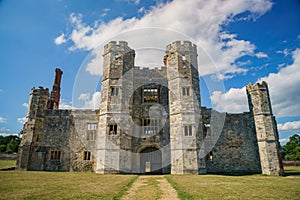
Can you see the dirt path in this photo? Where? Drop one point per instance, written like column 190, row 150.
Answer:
column 151, row 187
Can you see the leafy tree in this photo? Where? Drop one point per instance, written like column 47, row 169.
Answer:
column 9, row 144
column 12, row 146
column 291, row 151
column 2, row 148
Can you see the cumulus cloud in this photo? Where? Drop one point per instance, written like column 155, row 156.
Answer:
column 234, row 101
column 90, row 101
column 295, row 125
column 283, row 87
column 60, row 39
column 22, row 120
column 284, row 90
column 204, row 24
column 2, row 120
column 63, row 104
column 261, row 55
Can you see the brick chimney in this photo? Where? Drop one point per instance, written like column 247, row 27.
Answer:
column 55, row 93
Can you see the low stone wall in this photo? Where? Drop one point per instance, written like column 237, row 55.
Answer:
column 291, row 163
column 6, row 156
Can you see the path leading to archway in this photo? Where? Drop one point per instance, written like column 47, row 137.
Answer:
column 151, row 187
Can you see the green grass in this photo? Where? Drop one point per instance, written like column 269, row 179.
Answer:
column 62, row 185
column 235, row 187
column 292, row 170
column 7, row 163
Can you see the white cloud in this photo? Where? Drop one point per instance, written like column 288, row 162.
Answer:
column 2, row 120
column 234, row 101
column 295, row 125
column 4, row 129
column 25, row 105
column 285, row 52
column 136, row 2
column 60, row 39
column 261, row 55
column 203, row 23
column 281, row 65
column 142, row 10
column 84, row 96
column 283, row 87
column 284, row 140
column 64, row 105
column 298, row 37
column 105, row 12
column 90, row 101
column 284, row 90
column 22, row 120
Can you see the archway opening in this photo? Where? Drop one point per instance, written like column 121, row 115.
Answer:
column 151, row 161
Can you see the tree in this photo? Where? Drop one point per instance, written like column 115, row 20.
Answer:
column 9, row 144
column 291, row 151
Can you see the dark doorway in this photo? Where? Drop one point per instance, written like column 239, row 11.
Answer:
column 150, row 161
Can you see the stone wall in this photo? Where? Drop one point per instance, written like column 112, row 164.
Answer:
column 64, row 131
column 236, row 150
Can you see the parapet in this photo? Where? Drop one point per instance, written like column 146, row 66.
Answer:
column 182, row 46
column 40, row 91
column 257, row 86
column 120, row 46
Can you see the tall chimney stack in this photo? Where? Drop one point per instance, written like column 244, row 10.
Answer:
column 55, row 93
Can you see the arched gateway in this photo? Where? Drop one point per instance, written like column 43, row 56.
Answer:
column 150, row 161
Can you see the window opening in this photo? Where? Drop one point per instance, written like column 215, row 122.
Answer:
column 188, row 130
column 151, row 126
column 186, row 91
column 150, row 94
column 114, row 91
column 113, row 129
column 87, row 155
column 55, row 155
column 92, row 126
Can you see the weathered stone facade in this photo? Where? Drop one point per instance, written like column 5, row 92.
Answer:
column 150, row 121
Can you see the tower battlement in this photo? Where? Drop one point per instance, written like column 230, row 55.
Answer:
column 114, row 46
column 257, row 86
column 182, row 46
column 39, row 91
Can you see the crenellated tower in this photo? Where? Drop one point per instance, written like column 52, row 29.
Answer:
column 33, row 127
column 266, row 129
column 118, row 60
column 184, row 105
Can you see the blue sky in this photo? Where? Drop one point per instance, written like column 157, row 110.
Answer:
column 244, row 41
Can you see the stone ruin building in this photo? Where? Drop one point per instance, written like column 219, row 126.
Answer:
column 150, row 121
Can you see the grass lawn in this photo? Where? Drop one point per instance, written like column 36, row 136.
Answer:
column 62, row 185
column 236, row 187
column 292, row 170
column 7, row 163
